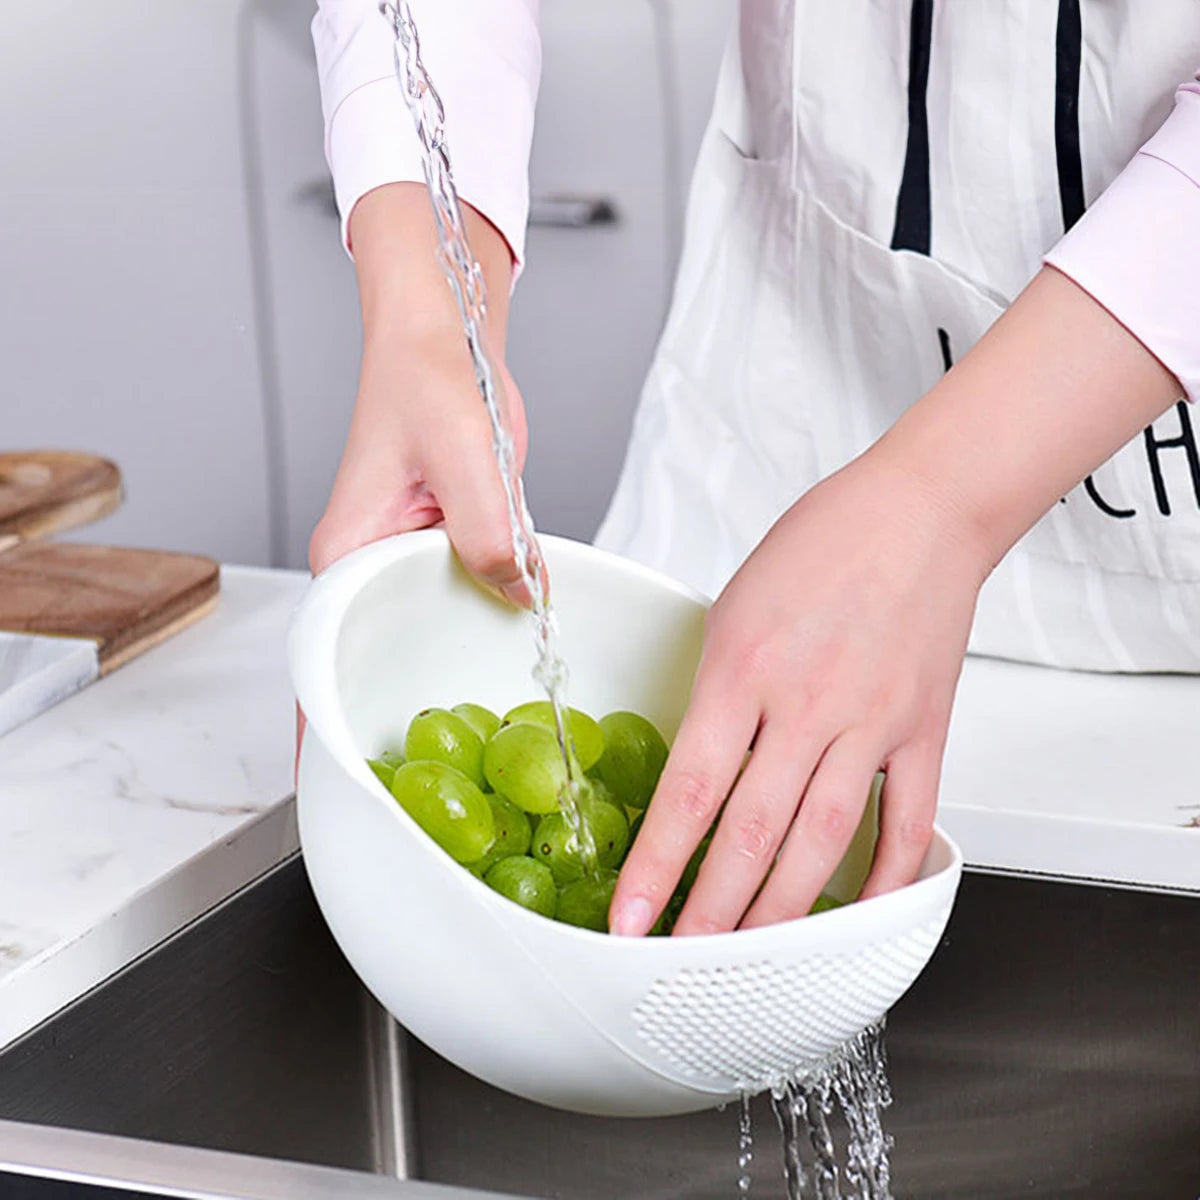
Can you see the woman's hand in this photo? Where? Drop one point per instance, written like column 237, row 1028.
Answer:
column 834, row 652
column 836, row 649
column 419, row 451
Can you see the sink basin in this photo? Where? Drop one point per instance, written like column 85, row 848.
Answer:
column 1051, row 1049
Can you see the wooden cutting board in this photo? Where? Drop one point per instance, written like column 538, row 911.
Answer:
column 70, row 613
column 124, row 600
column 48, row 491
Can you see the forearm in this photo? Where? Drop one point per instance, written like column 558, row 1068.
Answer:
column 407, row 304
column 1053, row 389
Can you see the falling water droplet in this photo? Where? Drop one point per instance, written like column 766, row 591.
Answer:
column 745, row 1145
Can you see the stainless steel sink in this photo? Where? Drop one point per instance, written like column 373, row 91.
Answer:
column 1052, row 1049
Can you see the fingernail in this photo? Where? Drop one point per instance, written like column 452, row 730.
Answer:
column 633, row 918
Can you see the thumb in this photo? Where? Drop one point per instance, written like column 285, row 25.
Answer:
column 466, row 479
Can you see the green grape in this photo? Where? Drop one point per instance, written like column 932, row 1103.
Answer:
column 584, row 732
column 824, row 903
column 610, row 831
column 437, row 735
column 554, row 841
column 448, row 806
column 385, row 766
column 596, row 789
column 633, row 758
column 526, row 883
column 585, row 902
column 635, row 822
column 512, row 835
column 524, row 763
column 482, row 720
column 554, row 846
column 611, row 836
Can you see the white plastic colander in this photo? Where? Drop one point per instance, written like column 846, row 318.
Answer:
column 564, row 1016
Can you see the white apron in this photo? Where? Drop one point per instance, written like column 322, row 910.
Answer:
column 879, row 179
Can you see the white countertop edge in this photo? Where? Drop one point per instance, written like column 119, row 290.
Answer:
column 48, row 982
column 1076, row 849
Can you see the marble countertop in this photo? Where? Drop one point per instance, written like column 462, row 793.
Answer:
column 143, row 800
column 137, row 804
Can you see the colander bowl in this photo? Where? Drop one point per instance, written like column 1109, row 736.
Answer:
column 564, row 1016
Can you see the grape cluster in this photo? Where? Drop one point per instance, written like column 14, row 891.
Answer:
column 487, row 789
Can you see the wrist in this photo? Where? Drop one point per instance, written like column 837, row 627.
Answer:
column 408, row 339
column 404, row 293
column 907, row 466
column 1049, row 393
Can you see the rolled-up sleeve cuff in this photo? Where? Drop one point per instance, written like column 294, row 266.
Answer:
column 487, row 80
column 1137, row 248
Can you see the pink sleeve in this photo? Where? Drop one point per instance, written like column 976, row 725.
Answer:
column 1137, row 248
column 484, row 57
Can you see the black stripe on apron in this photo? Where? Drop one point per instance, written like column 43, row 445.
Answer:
column 911, row 231
column 1068, row 52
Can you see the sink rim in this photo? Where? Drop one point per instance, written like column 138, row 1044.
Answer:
column 195, row 1173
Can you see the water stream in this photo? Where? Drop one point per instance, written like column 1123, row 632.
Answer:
column 854, row 1083
column 745, row 1145
column 465, row 278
